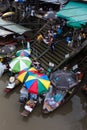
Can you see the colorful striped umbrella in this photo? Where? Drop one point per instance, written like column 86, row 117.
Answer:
column 34, row 81
column 20, row 63
column 24, row 52
column 24, row 74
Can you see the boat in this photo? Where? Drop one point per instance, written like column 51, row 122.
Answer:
column 64, row 84
column 13, row 83
column 29, row 107
column 31, row 102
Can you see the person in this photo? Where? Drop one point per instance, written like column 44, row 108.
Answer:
column 79, row 75
column 33, row 96
column 51, row 43
column 28, row 108
column 84, row 81
column 79, row 40
column 45, row 40
column 1, row 58
column 40, row 38
column 13, row 82
column 68, row 39
column 28, row 45
column 32, row 12
column 24, row 96
column 59, row 30
column 3, row 67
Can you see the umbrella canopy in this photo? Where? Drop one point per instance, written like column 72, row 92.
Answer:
column 50, row 15
column 34, row 81
column 7, row 49
column 21, row 38
column 20, row 63
column 8, row 14
column 24, row 52
column 63, row 79
column 24, row 74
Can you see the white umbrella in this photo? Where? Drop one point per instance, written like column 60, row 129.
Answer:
column 20, row 63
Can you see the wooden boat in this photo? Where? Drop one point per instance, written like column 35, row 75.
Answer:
column 29, row 107
column 53, row 101
column 13, row 83
column 59, row 93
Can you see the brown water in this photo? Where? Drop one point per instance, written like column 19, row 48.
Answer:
column 71, row 116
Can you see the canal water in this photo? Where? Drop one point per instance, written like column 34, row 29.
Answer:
column 71, row 116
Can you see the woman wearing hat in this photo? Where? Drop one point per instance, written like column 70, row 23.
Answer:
column 13, row 82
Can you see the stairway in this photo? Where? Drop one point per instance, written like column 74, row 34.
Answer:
column 44, row 29
column 43, row 53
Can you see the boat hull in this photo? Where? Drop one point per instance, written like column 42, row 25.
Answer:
column 48, row 109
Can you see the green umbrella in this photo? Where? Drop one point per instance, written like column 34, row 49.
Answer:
column 23, row 52
column 20, row 63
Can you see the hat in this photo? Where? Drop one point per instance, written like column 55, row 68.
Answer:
column 11, row 79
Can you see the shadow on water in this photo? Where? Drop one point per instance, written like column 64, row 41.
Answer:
column 83, row 99
column 63, row 110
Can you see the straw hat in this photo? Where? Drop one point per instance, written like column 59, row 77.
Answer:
column 11, row 79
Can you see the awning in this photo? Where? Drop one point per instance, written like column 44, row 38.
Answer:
column 74, row 13
column 11, row 26
column 55, row 1
column 4, row 33
column 51, row 1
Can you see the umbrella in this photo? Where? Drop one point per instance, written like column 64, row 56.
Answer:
column 7, row 49
column 24, row 74
column 35, row 82
column 20, row 63
column 24, row 52
column 21, row 38
column 50, row 15
column 63, row 79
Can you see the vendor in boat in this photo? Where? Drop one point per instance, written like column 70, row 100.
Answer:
column 53, row 99
column 28, row 108
column 13, row 82
column 24, row 95
column 30, row 104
